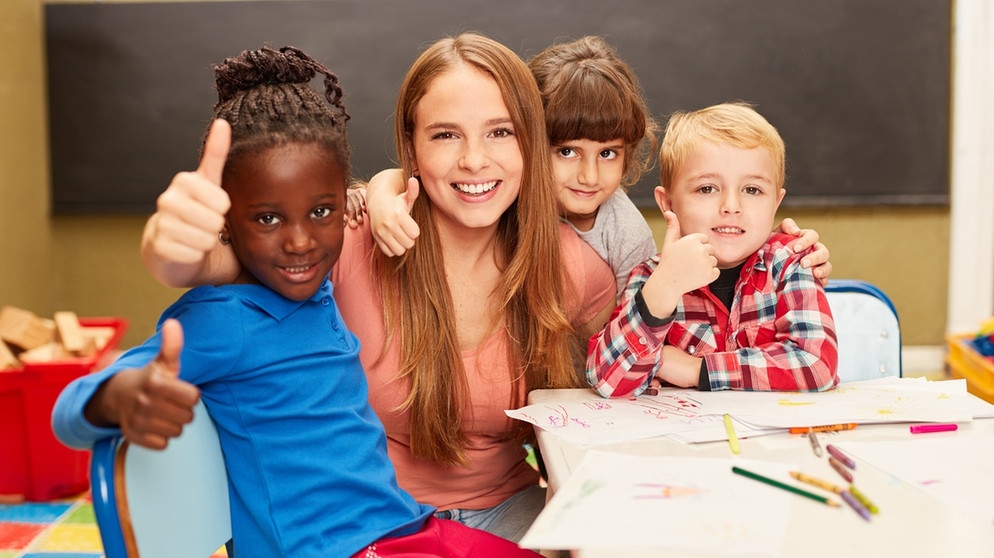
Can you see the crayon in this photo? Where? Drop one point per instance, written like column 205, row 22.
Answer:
column 855, row 505
column 733, row 440
column 808, row 479
column 870, row 506
column 843, row 458
column 815, row 446
column 822, row 428
column 840, row 468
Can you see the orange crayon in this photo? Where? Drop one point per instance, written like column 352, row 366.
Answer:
column 823, row 428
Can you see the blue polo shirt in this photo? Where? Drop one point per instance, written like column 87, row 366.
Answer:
column 307, row 461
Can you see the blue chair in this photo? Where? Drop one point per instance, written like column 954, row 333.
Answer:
column 868, row 330
column 163, row 504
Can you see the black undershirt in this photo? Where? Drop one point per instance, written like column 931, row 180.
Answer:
column 723, row 288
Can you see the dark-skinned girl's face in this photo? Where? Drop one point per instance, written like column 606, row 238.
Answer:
column 286, row 217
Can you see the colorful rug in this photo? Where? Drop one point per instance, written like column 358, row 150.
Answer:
column 60, row 529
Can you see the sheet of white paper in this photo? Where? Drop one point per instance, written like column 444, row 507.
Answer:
column 595, row 420
column 956, row 468
column 680, row 504
column 874, row 401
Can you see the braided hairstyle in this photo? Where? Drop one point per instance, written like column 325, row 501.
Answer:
column 267, row 98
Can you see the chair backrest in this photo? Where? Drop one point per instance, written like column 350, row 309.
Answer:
column 162, row 503
column 868, row 330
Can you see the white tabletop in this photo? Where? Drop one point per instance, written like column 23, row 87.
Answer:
column 911, row 522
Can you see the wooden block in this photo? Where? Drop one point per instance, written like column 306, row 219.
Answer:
column 13, row 319
column 70, row 333
column 45, row 353
column 100, row 335
column 7, row 358
column 24, row 330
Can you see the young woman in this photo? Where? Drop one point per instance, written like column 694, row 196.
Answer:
column 483, row 310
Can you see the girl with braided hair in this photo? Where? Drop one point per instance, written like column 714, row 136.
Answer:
column 308, row 469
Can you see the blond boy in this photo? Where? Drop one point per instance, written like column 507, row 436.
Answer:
column 726, row 304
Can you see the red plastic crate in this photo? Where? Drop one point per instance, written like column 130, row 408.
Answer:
column 33, row 464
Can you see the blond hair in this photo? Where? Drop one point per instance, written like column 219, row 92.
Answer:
column 736, row 124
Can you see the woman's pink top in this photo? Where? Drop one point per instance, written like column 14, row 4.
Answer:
column 496, row 469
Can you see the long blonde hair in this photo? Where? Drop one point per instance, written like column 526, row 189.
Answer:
column 530, row 296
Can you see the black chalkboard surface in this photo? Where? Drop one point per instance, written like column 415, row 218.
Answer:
column 860, row 89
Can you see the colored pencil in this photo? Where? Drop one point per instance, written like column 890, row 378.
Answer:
column 787, row 487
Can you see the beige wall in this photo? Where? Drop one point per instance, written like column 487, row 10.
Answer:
column 25, row 231
column 86, row 264
column 89, row 264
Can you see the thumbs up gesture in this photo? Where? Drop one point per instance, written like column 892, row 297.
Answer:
column 151, row 404
column 189, row 215
column 389, row 208
column 685, row 263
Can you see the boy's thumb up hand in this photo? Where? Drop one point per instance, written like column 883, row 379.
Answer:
column 673, row 232
column 167, row 361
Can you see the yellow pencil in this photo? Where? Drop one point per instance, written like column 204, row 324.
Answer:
column 733, row 440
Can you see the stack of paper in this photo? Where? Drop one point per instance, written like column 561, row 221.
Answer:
column 695, row 416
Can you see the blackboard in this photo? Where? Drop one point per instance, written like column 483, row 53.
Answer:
column 859, row 89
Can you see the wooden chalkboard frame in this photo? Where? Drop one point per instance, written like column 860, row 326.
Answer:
column 860, row 89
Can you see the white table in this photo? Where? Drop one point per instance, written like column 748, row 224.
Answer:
column 911, row 523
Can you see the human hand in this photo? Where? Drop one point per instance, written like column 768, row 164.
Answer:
column 151, row 404
column 678, row 368
column 808, row 238
column 355, row 207
column 389, row 209
column 685, row 263
column 191, row 211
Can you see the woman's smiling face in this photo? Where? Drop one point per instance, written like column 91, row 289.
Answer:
column 465, row 149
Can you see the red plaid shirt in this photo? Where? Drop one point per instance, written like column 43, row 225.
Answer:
column 778, row 336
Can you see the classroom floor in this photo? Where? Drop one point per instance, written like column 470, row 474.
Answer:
column 60, row 529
